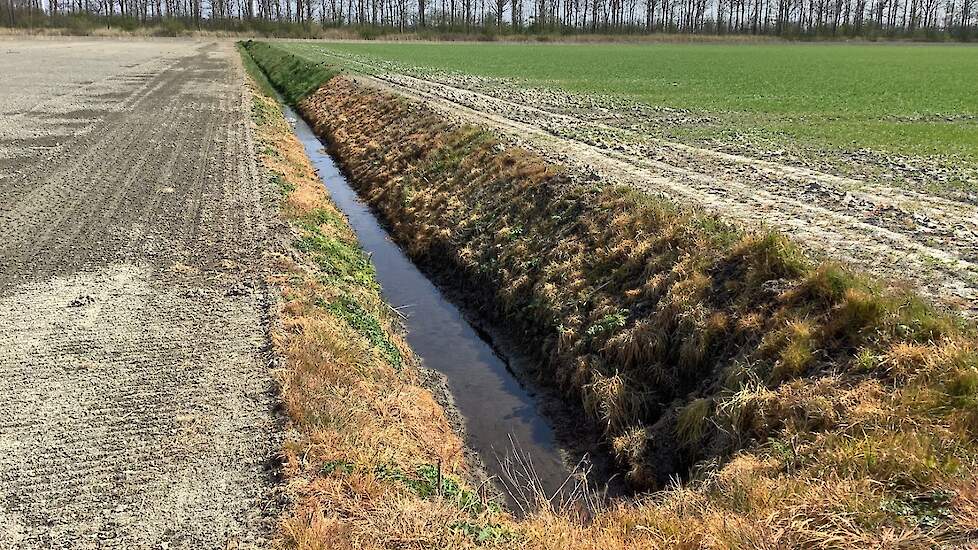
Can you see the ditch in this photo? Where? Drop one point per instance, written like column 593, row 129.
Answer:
column 503, row 419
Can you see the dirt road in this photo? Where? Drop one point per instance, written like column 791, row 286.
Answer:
column 138, row 407
column 904, row 235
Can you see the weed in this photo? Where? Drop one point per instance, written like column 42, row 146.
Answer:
column 926, row 511
column 482, row 533
column 608, row 323
column 284, row 186
column 337, row 466
column 312, row 220
column 341, row 259
column 428, row 482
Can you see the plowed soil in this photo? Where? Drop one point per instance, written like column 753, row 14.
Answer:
column 138, row 407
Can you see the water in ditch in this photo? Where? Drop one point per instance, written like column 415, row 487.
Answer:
column 498, row 411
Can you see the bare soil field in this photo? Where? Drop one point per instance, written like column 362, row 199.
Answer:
column 139, row 406
column 898, row 233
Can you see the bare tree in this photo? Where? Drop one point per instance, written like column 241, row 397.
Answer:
column 500, row 8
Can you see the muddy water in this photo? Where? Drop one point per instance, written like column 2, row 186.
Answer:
column 498, row 411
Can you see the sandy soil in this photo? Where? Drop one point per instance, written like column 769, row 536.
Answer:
column 139, row 407
column 902, row 235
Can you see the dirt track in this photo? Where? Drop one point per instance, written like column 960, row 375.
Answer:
column 930, row 241
column 138, row 408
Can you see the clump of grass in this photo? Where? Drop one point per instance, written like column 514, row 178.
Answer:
column 366, row 324
column 340, row 259
column 692, row 422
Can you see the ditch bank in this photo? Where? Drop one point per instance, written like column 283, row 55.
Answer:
column 513, row 451
column 597, row 285
column 687, row 340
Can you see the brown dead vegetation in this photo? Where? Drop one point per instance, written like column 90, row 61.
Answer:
column 808, row 405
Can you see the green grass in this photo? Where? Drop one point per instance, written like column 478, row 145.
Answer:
column 255, row 72
column 819, row 95
column 293, row 78
column 366, row 324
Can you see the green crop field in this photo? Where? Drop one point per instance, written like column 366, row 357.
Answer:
column 919, row 100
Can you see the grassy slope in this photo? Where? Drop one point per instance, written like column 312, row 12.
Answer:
column 829, row 95
column 364, row 438
column 296, row 78
column 830, row 411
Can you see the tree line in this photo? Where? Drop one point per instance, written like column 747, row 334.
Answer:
column 925, row 19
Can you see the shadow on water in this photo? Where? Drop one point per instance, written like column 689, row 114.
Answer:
column 495, row 407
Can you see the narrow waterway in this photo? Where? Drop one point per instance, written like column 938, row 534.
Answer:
column 498, row 411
